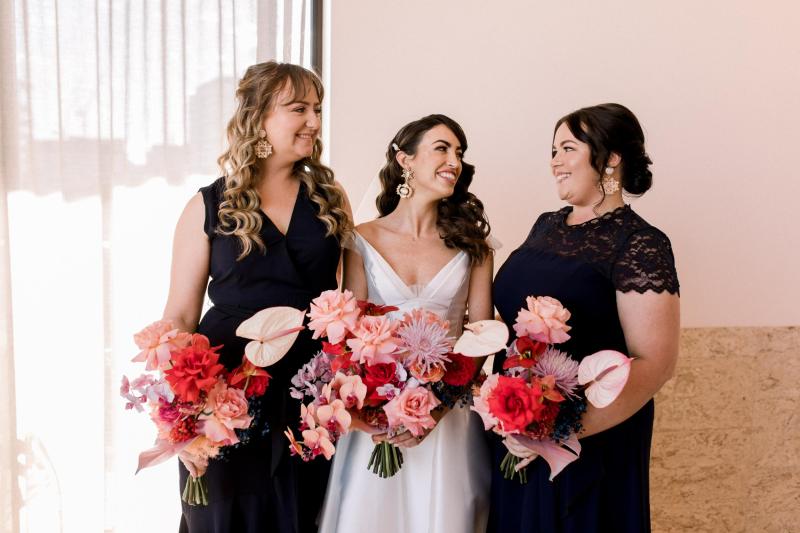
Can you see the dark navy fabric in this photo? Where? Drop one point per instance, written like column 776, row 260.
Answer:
column 583, row 266
column 259, row 487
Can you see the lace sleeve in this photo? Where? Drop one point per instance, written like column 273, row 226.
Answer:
column 646, row 263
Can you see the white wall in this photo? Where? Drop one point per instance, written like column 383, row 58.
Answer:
column 715, row 85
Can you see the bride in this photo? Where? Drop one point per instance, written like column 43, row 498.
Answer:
column 427, row 249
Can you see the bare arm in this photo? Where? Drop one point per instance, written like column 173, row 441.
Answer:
column 651, row 324
column 189, row 274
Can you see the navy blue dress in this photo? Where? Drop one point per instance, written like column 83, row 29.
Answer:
column 583, row 266
column 258, row 487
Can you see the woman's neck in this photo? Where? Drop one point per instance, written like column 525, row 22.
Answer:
column 414, row 218
column 584, row 213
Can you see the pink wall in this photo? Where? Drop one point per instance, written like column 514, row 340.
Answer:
column 715, row 85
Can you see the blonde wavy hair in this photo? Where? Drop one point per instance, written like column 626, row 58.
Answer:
column 239, row 211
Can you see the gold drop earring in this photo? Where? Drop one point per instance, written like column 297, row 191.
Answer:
column 263, row 148
column 404, row 190
column 609, row 183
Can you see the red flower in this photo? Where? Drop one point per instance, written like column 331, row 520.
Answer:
column 460, row 370
column 339, row 356
column 514, row 403
column 528, row 351
column 370, row 309
column 376, row 376
column 194, row 369
column 183, row 430
column 248, row 375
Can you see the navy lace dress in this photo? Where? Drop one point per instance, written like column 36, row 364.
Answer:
column 258, row 487
column 583, row 266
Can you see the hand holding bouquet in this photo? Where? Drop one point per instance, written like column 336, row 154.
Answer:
column 388, row 373
column 197, row 406
column 536, row 403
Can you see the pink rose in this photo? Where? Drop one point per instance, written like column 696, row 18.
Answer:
column 375, row 340
column 228, row 408
column 544, row 320
column 332, row 314
column 412, row 410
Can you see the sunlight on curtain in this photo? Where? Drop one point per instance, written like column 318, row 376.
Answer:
column 116, row 117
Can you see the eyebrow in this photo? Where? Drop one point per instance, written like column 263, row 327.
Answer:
column 565, row 142
column 299, row 102
column 446, row 143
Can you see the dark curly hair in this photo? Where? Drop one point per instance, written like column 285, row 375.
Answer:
column 461, row 220
column 613, row 128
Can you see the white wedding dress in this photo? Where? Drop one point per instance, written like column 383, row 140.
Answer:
column 443, row 485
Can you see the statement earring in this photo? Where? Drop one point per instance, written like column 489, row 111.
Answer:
column 404, row 190
column 263, row 148
column 609, row 183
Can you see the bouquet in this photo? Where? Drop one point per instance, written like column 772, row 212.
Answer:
column 198, row 407
column 386, row 373
column 536, row 402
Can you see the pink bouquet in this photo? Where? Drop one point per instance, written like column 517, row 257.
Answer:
column 390, row 374
column 197, row 406
column 536, row 403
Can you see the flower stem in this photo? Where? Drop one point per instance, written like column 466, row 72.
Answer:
column 508, row 466
column 385, row 460
column 196, row 491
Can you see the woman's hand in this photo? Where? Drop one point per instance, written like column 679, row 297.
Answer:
column 406, row 439
column 196, row 466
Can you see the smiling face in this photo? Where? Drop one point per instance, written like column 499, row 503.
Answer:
column 293, row 124
column 576, row 178
column 436, row 163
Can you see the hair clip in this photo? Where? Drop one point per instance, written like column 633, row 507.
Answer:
column 396, row 148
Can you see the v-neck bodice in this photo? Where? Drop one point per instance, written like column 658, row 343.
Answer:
column 295, row 267
column 445, row 294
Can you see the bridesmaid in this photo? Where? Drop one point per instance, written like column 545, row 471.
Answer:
column 616, row 274
column 267, row 234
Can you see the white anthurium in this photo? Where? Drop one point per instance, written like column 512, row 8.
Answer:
column 273, row 331
column 481, row 338
column 607, row 372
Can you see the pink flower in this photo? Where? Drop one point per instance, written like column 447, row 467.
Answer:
column 334, row 417
column 412, row 410
column 157, row 341
column 544, row 320
column 480, row 403
column 350, row 389
column 332, row 314
column 133, row 400
column 424, row 341
column 375, row 340
column 228, row 408
column 318, row 440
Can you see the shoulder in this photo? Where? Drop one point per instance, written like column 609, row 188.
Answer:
column 208, row 200
column 645, row 260
column 213, row 192
column 638, row 230
column 369, row 230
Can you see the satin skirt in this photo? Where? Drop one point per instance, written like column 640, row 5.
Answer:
column 443, row 486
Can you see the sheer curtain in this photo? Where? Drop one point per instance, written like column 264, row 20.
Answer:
column 112, row 114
